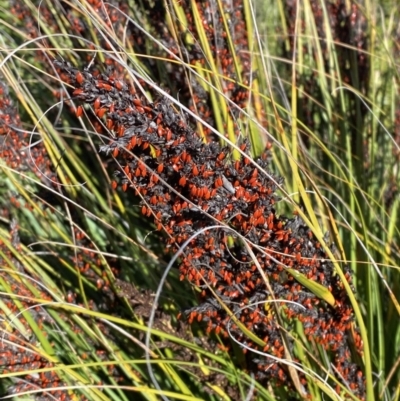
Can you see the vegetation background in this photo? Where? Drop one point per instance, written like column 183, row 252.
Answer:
column 88, row 307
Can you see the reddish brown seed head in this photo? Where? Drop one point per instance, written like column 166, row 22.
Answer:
column 103, row 85
column 77, row 92
column 96, row 104
column 118, row 84
column 79, row 77
column 221, row 156
column 100, row 112
column 79, row 111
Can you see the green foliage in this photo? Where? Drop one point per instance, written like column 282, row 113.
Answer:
column 80, row 263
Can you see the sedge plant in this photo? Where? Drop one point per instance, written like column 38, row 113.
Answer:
column 139, row 133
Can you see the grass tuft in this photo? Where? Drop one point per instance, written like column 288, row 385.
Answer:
column 199, row 200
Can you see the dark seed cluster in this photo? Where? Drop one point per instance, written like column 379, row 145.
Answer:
column 20, row 153
column 17, row 351
column 187, row 186
column 16, row 144
column 213, row 24
column 19, row 347
column 234, row 80
column 110, row 12
column 393, row 190
column 348, row 27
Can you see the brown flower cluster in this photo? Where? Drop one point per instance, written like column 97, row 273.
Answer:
column 187, row 186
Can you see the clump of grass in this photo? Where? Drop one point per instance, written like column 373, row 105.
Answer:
column 98, row 258
column 189, row 187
